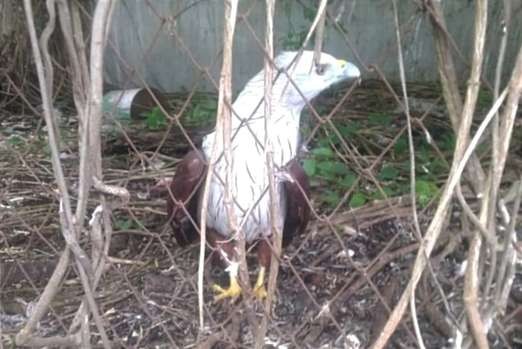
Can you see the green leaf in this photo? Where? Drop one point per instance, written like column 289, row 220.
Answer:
column 401, row 146
column 357, row 200
column 424, row 153
column 485, row 99
column 310, row 166
column 123, row 224
column 388, row 172
column 437, row 167
column 321, row 109
column 315, row 182
column 323, row 151
column 209, row 104
column 403, row 188
column 378, row 119
column 323, row 141
column 330, row 197
column 331, row 169
column 46, row 149
column 389, row 191
column 155, row 119
column 203, row 110
column 430, row 170
column 425, row 190
column 15, row 140
column 348, row 180
column 349, row 130
column 448, row 142
column 482, row 148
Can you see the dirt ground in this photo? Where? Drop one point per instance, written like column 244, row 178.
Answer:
column 336, row 285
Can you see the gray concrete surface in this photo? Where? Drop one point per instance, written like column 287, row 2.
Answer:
column 145, row 49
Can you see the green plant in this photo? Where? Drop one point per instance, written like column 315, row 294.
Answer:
column 324, row 165
column 124, row 224
column 370, row 135
column 485, row 99
column 155, row 119
column 358, row 199
column 388, row 173
column 447, row 141
column 203, row 110
column 401, row 145
column 15, row 140
column 379, row 119
column 425, row 191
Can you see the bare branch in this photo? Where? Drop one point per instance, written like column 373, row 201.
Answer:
column 418, row 334
column 276, row 225
column 450, row 87
column 223, row 137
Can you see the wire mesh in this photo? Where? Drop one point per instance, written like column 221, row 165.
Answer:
column 338, row 282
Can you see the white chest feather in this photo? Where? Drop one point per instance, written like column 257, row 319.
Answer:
column 249, row 186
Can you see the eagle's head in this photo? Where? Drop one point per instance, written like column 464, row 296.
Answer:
column 309, row 77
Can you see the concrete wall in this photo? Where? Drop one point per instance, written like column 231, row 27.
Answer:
column 145, row 48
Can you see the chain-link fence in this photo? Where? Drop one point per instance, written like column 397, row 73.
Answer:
column 89, row 257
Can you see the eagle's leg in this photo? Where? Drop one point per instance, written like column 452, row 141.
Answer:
column 228, row 255
column 259, row 287
column 263, row 255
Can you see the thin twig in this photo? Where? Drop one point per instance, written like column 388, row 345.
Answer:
column 319, row 37
column 276, row 225
column 413, row 196
column 494, row 174
column 450, row 87
column 223, row 138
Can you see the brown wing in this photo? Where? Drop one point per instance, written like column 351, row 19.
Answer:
column 297, row 207
column 182, row 200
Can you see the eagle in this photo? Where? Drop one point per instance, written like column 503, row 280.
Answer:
column 250, row 176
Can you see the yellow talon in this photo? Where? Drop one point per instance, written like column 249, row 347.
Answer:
column 259, row 288
column 260, row 292
column 233, row 291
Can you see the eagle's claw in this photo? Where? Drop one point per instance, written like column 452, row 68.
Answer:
column 260, row 292
column 233, row 291
column 259, row 288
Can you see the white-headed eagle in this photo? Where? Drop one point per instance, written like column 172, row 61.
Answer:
column 249, row 185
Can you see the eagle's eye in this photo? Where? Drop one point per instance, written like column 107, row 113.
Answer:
column 321, row 68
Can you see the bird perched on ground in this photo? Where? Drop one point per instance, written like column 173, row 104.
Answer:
column 249, row 184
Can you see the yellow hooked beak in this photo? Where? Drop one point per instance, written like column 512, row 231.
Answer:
column 342, row 63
